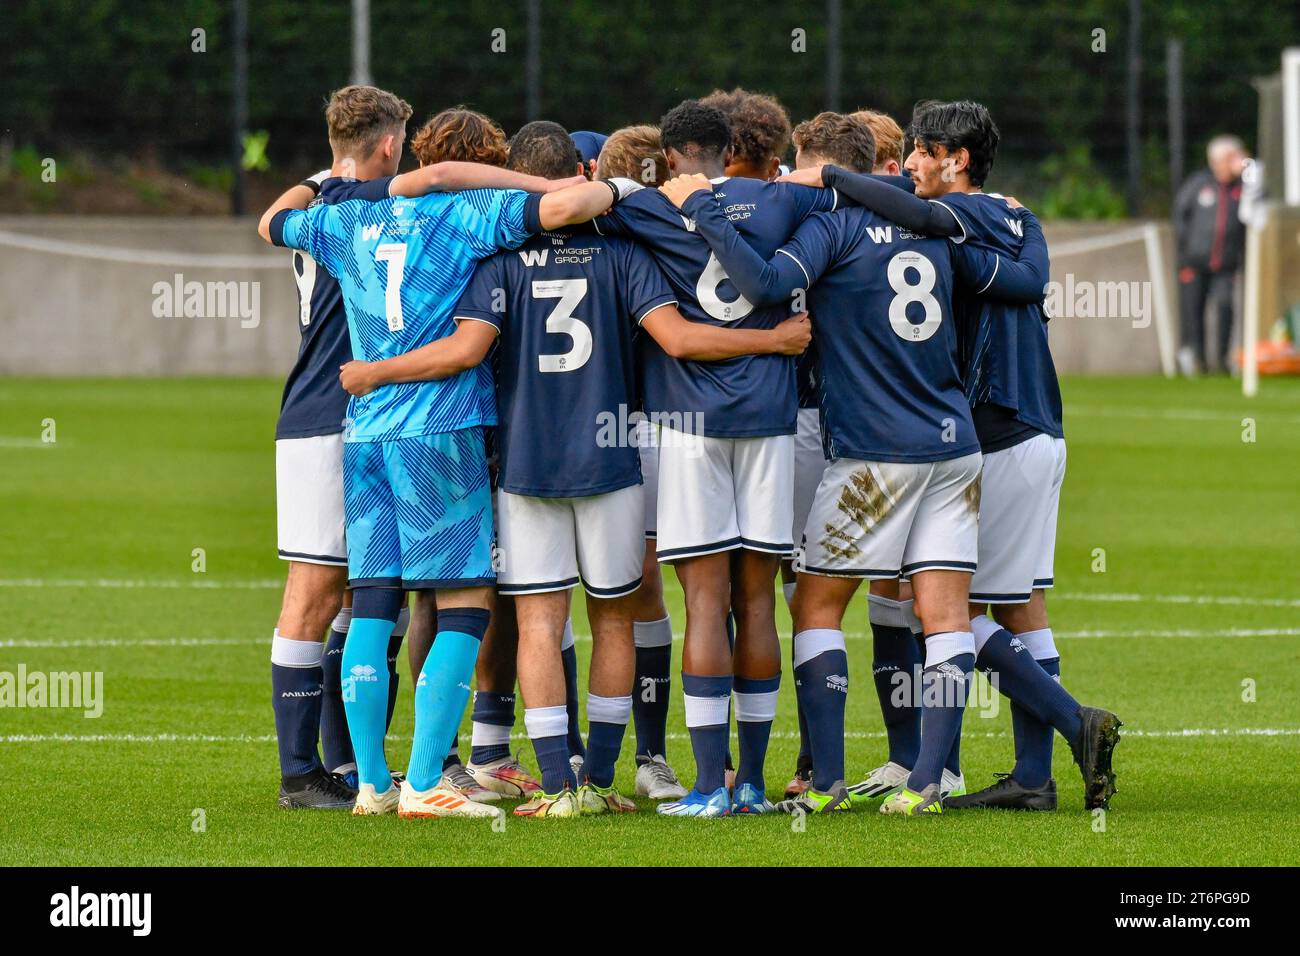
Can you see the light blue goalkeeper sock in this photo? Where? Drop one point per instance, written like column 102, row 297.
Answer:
column 442, row 690
column 365, row 681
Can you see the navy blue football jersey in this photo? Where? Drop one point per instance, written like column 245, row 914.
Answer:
column 1006, row 359
column 567, row 307
column 743, row 397
column 314, row 402
column 880, row 299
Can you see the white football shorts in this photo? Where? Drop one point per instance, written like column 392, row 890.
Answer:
column 718, row 494
column 309, row 499
column 1018, row 508
column 878, row 520
column 550, row 544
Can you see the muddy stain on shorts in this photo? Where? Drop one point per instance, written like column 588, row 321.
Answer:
column 865, row 503
column 972, row 494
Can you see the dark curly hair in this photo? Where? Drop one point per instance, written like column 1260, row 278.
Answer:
column 542, row 148
column 460, row 134
column 695, row 130
column 960, row 125
column 760, row 126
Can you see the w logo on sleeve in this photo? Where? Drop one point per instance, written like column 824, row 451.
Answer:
column 1015, row 226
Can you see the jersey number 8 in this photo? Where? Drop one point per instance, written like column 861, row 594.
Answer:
column 905, row 293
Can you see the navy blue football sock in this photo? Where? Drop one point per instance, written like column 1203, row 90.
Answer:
column 730, row 764
column 548, row 729
column 573, row 733
column 895, row 669
column 607, row 719
column 821, row 675
column 336, row 747
column 707, row 702
column 654, row 658
column 395, row 649
column 493, row 717
column 945, row 683
column 1034, row 737
column 295, row 698
column 755, row 702
column 1011, row 668
column 803, row 763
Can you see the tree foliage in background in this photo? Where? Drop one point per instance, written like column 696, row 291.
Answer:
column 120, row 78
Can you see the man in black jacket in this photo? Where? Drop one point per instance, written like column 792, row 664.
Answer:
column 1210, row 239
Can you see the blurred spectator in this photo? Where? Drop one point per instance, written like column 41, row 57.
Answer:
column 1211, row 239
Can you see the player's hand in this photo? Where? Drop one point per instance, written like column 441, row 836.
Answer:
column 809, row 176
column 793, row 334
column 358, row 378
column 680, row 188
column 1013, row 202
column 556, row 185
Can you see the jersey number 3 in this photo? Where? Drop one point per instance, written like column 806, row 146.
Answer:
column 905, row 293
column 562, row 322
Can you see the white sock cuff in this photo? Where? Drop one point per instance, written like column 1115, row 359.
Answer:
column 909, row 616
column 546, row 721
column 609, row 710
column 706, row 711
column 886, row 611
column 809, row 644
column 286, row 652
column 403, row 622
column 566, row 642
column 946, row 646
column 491, row 735
column 755, row 708
column 342, row 620
column 1040, row 644
column 983, row 627
column 653, row 633
column 788, row 591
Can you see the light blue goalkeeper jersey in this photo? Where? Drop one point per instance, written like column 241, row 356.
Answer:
column 402, row 265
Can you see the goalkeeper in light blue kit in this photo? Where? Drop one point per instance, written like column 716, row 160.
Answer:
column 417, row 500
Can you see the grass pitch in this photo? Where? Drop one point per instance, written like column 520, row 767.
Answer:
column 1176, row 605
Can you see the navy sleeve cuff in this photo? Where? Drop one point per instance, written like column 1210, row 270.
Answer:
column 277, row 226
column 533, row 212
column 372, row 190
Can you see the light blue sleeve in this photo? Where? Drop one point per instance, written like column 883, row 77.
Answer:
column 493, row 219
column 317, row 231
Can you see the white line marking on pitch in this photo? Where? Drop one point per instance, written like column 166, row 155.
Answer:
column 1179, row 414
column 1224, row 732
column 110, row 642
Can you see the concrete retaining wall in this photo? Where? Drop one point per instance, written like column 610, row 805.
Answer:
column 93, row 296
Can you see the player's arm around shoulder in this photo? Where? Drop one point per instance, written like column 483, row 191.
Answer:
column 702, row 342
column 295, row 197
column 453, row 176
column 442, row 358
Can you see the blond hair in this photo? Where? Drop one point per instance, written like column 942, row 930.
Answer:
column 888, row 134
column 634, row 152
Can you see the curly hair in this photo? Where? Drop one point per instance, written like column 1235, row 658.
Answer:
column 694, row 129
column 358, row 117
column 634, row 152
column 542, row 148
column 760, row 126
column 888, row 134
column 843, row 140
column 960, row 125
column 460, row 134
